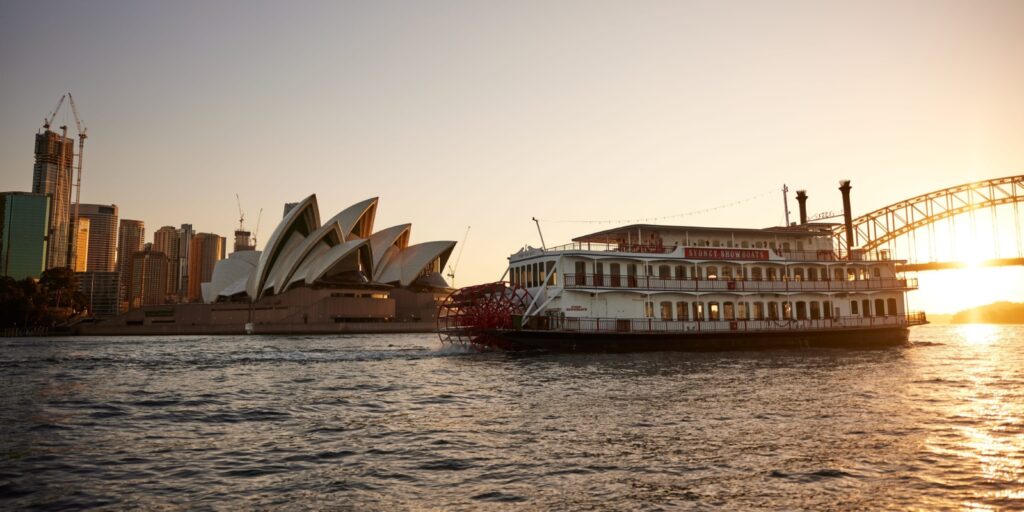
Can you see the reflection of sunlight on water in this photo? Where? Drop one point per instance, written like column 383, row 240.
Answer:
column 978, row 334
column 986, row 418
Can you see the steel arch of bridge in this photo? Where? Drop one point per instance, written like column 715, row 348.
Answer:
column 882, row 226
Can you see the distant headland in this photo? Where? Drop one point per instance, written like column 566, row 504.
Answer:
column 995, row 313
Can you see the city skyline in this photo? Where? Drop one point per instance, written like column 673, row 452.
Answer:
column 500, row 115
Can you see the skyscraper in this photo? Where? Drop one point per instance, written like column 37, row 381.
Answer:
column 102, row 236
column 130, row 236
column 165, row 240
column 185, row 234
column 147, row 279
column 24, row 224
column 51, row 175
column 205, row 251
column 81, row 263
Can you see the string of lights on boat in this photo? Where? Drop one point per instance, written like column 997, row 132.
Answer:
column 663, row 217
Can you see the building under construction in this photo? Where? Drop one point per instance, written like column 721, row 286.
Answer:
column 51, row 176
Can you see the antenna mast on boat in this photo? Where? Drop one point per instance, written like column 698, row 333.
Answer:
column 785, row 202
column 542, row 244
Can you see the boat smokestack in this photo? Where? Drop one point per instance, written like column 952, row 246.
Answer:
column 801, row 197
column 844, row 187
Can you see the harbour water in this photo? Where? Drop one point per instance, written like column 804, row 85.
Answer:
column 400, row 422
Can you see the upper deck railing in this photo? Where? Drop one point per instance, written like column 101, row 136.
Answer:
column 657, row 325
column 781, row 254
column 575, row 281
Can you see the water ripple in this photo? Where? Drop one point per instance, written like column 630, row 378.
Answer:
column 399, row 422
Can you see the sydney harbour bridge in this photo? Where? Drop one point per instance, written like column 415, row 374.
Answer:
column 973, row 224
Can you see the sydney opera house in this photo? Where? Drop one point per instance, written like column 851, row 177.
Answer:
column 313, row 276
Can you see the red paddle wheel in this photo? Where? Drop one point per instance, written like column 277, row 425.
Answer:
column 469, row 314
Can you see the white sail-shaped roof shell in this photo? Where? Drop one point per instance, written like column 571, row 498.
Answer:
column 387, row 243
column 354, row 253
column 407, row 265
column 231, row 275
column 357, row 220
column 299, row 222
column 321, row 240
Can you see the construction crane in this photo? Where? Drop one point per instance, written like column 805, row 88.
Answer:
column 451, row 269
column 48, row 120
column 241, row 215
column 82, row 135
column 257, row 230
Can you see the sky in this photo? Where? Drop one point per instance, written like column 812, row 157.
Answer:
column 487, row 114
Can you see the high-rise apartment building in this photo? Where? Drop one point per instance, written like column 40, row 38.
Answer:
column 102, row 236
column 165, row 240
column 147, row 279
column 24, row 224
column 51, row 175
column 205, row 251
column 130, row 237
column 185, row 234
column 81, row 263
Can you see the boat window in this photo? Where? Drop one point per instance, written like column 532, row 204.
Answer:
column 598, row 273
column 879, row 307
column 758, row 311
column 581, row 273
column 854, row 309
column 666, row 310
column 698, row 311
column 824, row 274
column 891, row 310
column 755, row 273
column 680, row 272
column 713, row 312
column 552, row 280
column 828, row 309
column 744, row 244
column 787, row 310
column 614, row 268
column 773, row 310
column 815, row 310
column 798, row 274
column 716, row 243
column 772, row 274
column 682, row 311
column 812, row 274
column 801, row 310
column 726, row 272
column 799, row 245
column 866, row 307
column 838, row 274
column 631, row 275
column 649, row 309
column 696, row 272
column 743, row 311
column 877, row 272
column 712, row 272
column 785, row 246
column 851, row 275
column 665, row 272
column 863, row 274
column 728, row 311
